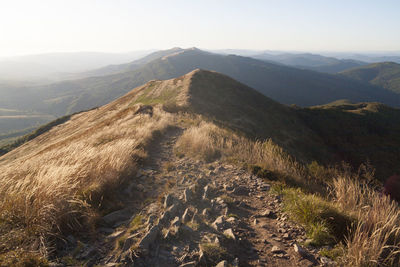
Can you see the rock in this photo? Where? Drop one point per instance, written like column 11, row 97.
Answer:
column 241, row 190
column 164, row 218
column 129, row 241
column 267, row 213
column 188, row 264
column 202, row 258
column 140, row 187
column 185, row 216
column 184, row 229
column 176, row 222
column 167, row 234
column 71, row 239
column 286, row 236
column 88, row 253
column 105, row 230
column 187, row 195
column 231, row 220
column 115, row 217
column 255, row 221
column 225, row 211
column 277, row 250
column 229, row 233
column 151, row 219
column 168, row 201
column 206, row 212
column 219, row 223
column 149, row 238
column 222, row 264
column 326, row 261
column 216, row 240
column 173, row 210
column 264, row 187
column 220, row 169
column 210, row 173
column 228, row 187
column 206, row 192
column 301, row 251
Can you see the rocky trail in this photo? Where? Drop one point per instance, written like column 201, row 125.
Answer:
column 186, row 212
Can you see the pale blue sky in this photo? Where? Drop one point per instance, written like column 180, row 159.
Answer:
column 28, row 27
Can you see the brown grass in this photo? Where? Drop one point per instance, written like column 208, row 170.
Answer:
column 47, row 185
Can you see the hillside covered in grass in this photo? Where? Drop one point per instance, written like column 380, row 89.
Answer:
column 386, row 75
column 111, row 184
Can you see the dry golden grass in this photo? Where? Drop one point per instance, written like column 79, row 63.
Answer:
column 375, row 239
column 208, row 141
column 46, row 184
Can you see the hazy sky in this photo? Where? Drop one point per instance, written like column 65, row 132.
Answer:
column 28, row 26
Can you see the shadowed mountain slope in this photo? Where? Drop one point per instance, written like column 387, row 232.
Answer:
column 359, row 133
column 386, row 75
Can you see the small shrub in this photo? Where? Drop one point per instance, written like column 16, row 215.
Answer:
column 323, row 221
column 214, row 253
column 334, row 254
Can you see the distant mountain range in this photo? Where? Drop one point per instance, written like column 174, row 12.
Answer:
column 385, row 74
column 56, row 66
column 311, row 61
column 284, row 84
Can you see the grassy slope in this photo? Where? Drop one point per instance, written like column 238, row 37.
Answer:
column 386, row 75
column 360, row 132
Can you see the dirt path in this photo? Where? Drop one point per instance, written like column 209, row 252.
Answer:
column 186, row 212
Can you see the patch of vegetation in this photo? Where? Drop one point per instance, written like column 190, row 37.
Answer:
column 70, row 261
column 22, row 259
column 136, row 223
column 260, row 172
column 334, row 254
column 214, row 253
column 233, row 215
column 325, row 224
column 227, row 199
